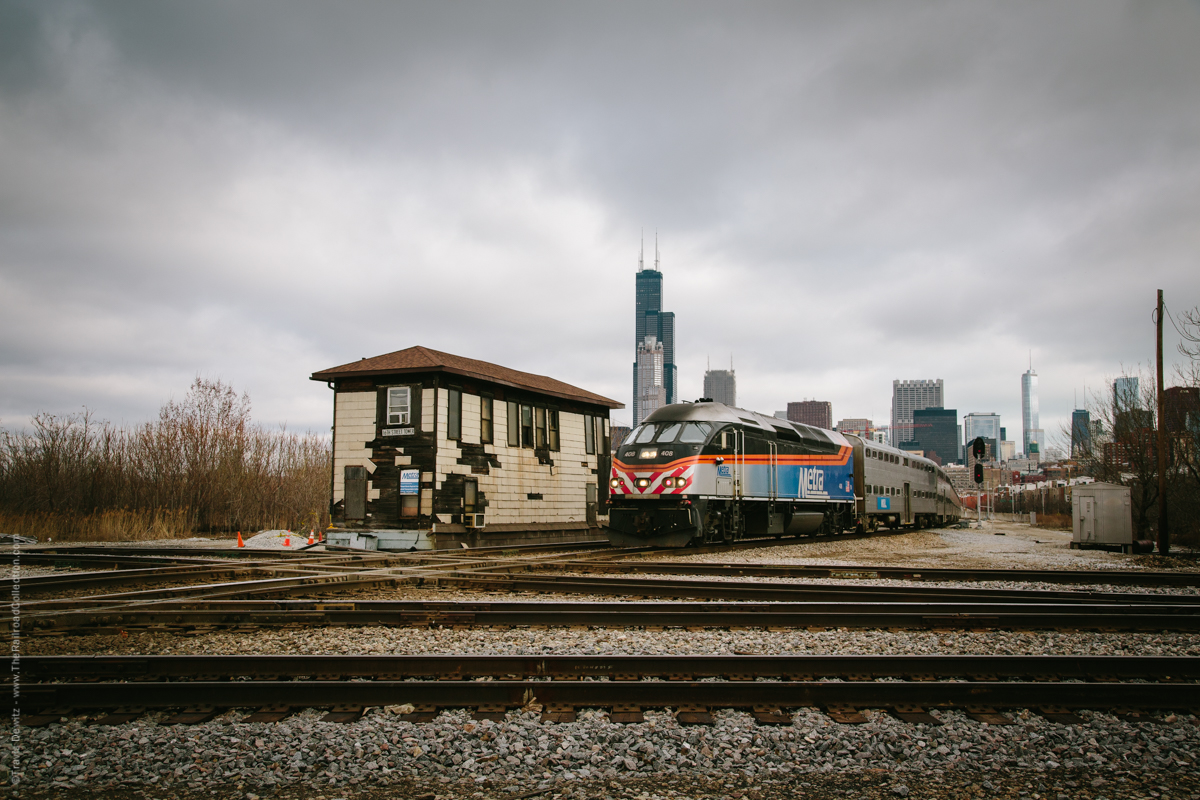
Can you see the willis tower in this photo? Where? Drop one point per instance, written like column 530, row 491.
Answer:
column 654, row 372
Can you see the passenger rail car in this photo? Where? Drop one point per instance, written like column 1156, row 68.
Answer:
column 707, row 472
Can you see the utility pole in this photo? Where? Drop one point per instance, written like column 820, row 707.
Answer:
column 1164, row 543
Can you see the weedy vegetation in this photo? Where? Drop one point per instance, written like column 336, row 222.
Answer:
column 202, row 467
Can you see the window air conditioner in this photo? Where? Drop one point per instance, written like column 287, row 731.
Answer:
column 473, row 520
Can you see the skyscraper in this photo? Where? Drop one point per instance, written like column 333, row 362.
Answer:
column 936, row 431
column 1031, row 436
column 652, row 394
column 721, row 386
column 651, row 320
column 818, row 413
column 907, row 397
column 1081, row 433
column 977, row 424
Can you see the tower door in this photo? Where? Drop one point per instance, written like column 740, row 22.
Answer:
column 1087, row 521
column 356, row 493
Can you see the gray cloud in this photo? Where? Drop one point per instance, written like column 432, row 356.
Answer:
column 844, row 195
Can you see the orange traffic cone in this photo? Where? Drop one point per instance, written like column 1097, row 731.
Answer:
column 311, row 540
column 240, row 542
column 321, row 536
column 287, row 540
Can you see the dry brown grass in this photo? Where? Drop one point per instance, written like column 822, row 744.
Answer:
column 201, row 467
column 1057, row 522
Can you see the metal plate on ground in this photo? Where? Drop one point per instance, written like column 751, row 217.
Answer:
column 344, row 714
column 269, row 714
column 626, row 714
column 44, row 718
column 495, row 713
column 914, row 714
column 121, row 716
column 421, row 713
column 1061, row 715
column 771, row 715
column 557, row 712
column 693, row 715
column 847, row 715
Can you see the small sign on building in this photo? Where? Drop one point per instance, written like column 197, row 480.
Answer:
column 410, row 481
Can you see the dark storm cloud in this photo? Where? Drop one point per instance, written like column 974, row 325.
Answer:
column 844, row 194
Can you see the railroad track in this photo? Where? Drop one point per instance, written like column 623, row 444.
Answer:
column 907, row 686
column 249, row 615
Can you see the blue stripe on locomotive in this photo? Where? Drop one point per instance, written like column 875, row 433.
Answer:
column 818, row 482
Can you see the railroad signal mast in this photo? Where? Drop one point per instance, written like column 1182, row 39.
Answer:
column 978, row 449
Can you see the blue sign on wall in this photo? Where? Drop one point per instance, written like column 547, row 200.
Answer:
column 883, row 503
column 410, row 481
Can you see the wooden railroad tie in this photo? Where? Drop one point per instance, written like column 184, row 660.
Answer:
column 845, row 714
column 421, row 713
column 491, row 711
column 558, row 712
column 1061, row 715
column 121, row 716
column 691, row 714
column 771, row 715
column 43, row 718
column 914, row 714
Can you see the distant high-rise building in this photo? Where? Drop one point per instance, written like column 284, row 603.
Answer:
column 857, row 426
column 721, row 386
column 1081, row 432
column 651, row 320
column 818, row 413
column 987, row 425
column 1125, row 394
column 907, row 397
column 780, row 415
column 1031, row 434
column 882, row 434
column 1181, row 409
column 936, row 429
column 652, row 394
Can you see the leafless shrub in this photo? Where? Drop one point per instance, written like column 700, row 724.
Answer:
column 202, row 466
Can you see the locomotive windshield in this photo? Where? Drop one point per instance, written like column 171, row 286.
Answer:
column 664, row 432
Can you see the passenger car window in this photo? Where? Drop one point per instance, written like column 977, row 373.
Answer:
column 668, row 433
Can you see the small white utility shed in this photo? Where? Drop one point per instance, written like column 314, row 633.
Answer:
column 1102, row 517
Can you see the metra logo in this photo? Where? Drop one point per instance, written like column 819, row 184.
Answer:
column 812, row 481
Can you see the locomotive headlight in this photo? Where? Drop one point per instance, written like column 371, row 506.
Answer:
column 643, row 483
column 615, row 483
column 668, row 482
column 648, row 454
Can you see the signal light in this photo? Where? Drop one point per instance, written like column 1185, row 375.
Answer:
column 978, row 472
column 978, row 447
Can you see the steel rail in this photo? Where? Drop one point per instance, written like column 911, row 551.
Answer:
column 1047, row 616
column 613, row 667
column 1105, row 577
column 639, row 694
column 754, row 590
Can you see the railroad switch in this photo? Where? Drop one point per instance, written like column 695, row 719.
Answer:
column 988, row 715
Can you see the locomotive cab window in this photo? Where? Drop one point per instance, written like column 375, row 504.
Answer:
column 695, row 432
column 644, row 434
column 668, row 433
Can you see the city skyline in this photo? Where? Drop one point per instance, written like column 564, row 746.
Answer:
column 189, row 192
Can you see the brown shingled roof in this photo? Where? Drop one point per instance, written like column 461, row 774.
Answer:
column 422, row 359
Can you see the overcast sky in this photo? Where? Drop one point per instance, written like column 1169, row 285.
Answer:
column 844, row 194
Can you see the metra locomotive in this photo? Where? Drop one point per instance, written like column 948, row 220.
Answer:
column 707, row 472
